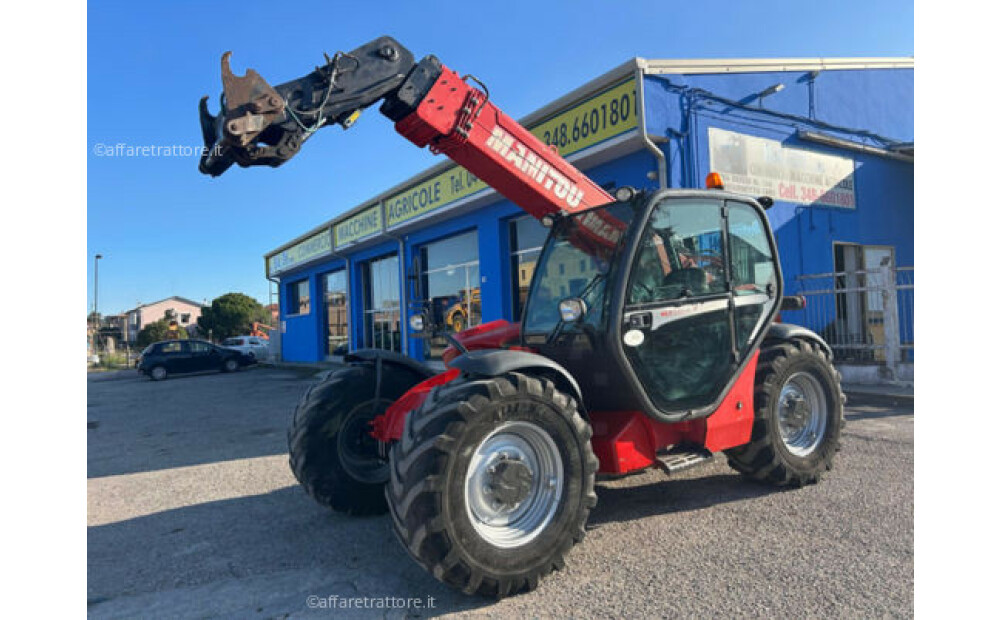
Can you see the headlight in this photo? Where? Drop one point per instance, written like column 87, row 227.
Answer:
column 572, row 309
column 417, row 322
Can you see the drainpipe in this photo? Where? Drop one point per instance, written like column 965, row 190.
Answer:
column 640, row 92
column 404, row 324
column 277, row 328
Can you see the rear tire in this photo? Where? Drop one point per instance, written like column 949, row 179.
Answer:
column 799, row 414
column 230, row 365
column 492, row 483
column 330, row 450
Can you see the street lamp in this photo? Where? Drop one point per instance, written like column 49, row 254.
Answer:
column 767, row 92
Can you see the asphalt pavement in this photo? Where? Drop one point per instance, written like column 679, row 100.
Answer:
column 193, row 512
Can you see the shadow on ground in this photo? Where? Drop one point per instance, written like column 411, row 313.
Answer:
column 270, row 552
column 137, row 425
column 673, row 495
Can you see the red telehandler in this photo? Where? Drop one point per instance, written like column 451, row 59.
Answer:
column 660, row 351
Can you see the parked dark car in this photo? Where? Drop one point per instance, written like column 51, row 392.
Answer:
column 169, row 357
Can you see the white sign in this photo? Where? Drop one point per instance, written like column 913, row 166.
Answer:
column 762, row 167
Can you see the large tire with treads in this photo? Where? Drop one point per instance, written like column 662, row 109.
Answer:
column 492, row 482
column 798, row 416
column 329, row 449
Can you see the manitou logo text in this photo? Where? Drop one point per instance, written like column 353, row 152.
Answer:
column 534, row 166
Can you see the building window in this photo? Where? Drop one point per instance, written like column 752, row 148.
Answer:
column 336, row 308
column 298, row 297
column 526, row 238
column 449, row 283
column 186, row 318
column 381, row 278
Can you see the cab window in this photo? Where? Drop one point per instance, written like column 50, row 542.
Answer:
column 753, row 263
column 680, row 255
column 753, row 273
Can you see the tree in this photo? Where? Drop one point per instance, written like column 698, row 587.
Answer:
column 154, row 332
column 164, row 329
column 231, row 315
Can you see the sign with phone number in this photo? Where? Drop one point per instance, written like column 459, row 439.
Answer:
column 603, row 116
column 762, row 167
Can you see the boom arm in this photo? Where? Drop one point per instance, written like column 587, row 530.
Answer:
column 430, row 104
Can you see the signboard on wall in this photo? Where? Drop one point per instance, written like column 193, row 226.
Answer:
column 604, row 116
column 358, row 227
column 306, row 250
column 762, row 167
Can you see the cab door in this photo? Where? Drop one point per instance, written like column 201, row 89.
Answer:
column 691, row 314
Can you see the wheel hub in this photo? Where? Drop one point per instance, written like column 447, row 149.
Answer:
column 802, row 414
column 509, row 481
column 513, row 484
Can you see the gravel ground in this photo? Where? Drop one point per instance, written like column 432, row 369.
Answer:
column 192, row 512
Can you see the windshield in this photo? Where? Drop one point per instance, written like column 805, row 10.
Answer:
column 575, row 262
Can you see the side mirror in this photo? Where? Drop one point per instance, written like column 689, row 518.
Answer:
column 572, row 309
column 793, row 302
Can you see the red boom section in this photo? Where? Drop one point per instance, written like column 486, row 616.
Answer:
column 459, row 121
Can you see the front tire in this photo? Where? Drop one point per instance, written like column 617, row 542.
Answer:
column 331, row 452
column 158, row 373
column 492, row 483
column 799, row 414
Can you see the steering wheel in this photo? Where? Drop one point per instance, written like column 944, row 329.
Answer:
column 650, row 294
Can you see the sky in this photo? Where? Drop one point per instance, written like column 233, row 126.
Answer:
column 164, row 229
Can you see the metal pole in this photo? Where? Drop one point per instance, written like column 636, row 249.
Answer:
column 97, row 320
column 890, row 316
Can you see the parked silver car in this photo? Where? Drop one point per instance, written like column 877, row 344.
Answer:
column 251, row 345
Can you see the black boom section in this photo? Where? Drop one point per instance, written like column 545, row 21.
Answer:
column 261, row 125
column 496, row 362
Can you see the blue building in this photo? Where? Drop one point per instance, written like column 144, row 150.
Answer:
column 831, row 140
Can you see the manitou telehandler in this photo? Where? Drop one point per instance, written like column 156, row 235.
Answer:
column 663, row 351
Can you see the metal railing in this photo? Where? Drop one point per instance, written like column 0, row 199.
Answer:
column 866, row 315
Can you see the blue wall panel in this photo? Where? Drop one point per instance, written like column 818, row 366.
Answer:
column 856, row 105
column 302, row 340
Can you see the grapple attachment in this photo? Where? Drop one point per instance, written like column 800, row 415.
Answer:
column 261, row 125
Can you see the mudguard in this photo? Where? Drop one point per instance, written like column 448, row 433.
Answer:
column 390, row 357
column 495, row 362
column 787, row 331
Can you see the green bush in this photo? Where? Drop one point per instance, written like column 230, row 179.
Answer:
column 113, row 360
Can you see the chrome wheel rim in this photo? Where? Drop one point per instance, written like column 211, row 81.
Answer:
column 159, row 373
column 802, row 413
column 513, row 484
column 231, row 365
